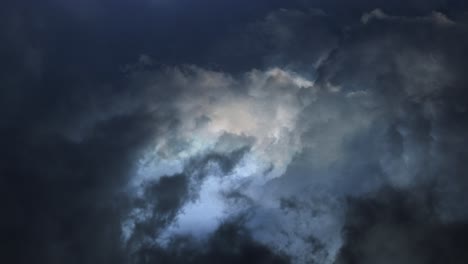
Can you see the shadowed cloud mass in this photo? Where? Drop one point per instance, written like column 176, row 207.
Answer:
column 221, row 132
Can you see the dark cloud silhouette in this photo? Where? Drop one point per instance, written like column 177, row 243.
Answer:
column 230, row 243
column 58, row 195
column 397, row 226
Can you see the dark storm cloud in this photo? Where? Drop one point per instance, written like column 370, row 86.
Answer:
column 392, row 106
column 411, row 67
column 58, row 196
column 298, row 39
column 388, row 108
column 66, row 158
column 401, row 227
column 159, row 206
column 230, row 243
column 161, row 202
column 60, row 192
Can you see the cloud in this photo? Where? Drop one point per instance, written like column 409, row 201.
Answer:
column 371, row 118
column 286, row 38
column 230, row 243
column 397, row 226
column 436, row 17
column 405, row 67
column 259, row 110
column 323, row 135
column 228, row 132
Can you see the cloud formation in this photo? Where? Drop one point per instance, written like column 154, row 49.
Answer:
column 294, row 135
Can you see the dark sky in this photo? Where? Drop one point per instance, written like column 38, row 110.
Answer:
column 183, row 131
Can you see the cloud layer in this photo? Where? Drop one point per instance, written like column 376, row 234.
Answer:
column 306, row 134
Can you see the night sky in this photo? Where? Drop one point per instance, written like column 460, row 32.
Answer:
column 234, row 131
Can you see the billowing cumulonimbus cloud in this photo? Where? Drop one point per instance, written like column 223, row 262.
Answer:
column 371, row 118
column 228, row 131
column 306, row 136
column 409, row 65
